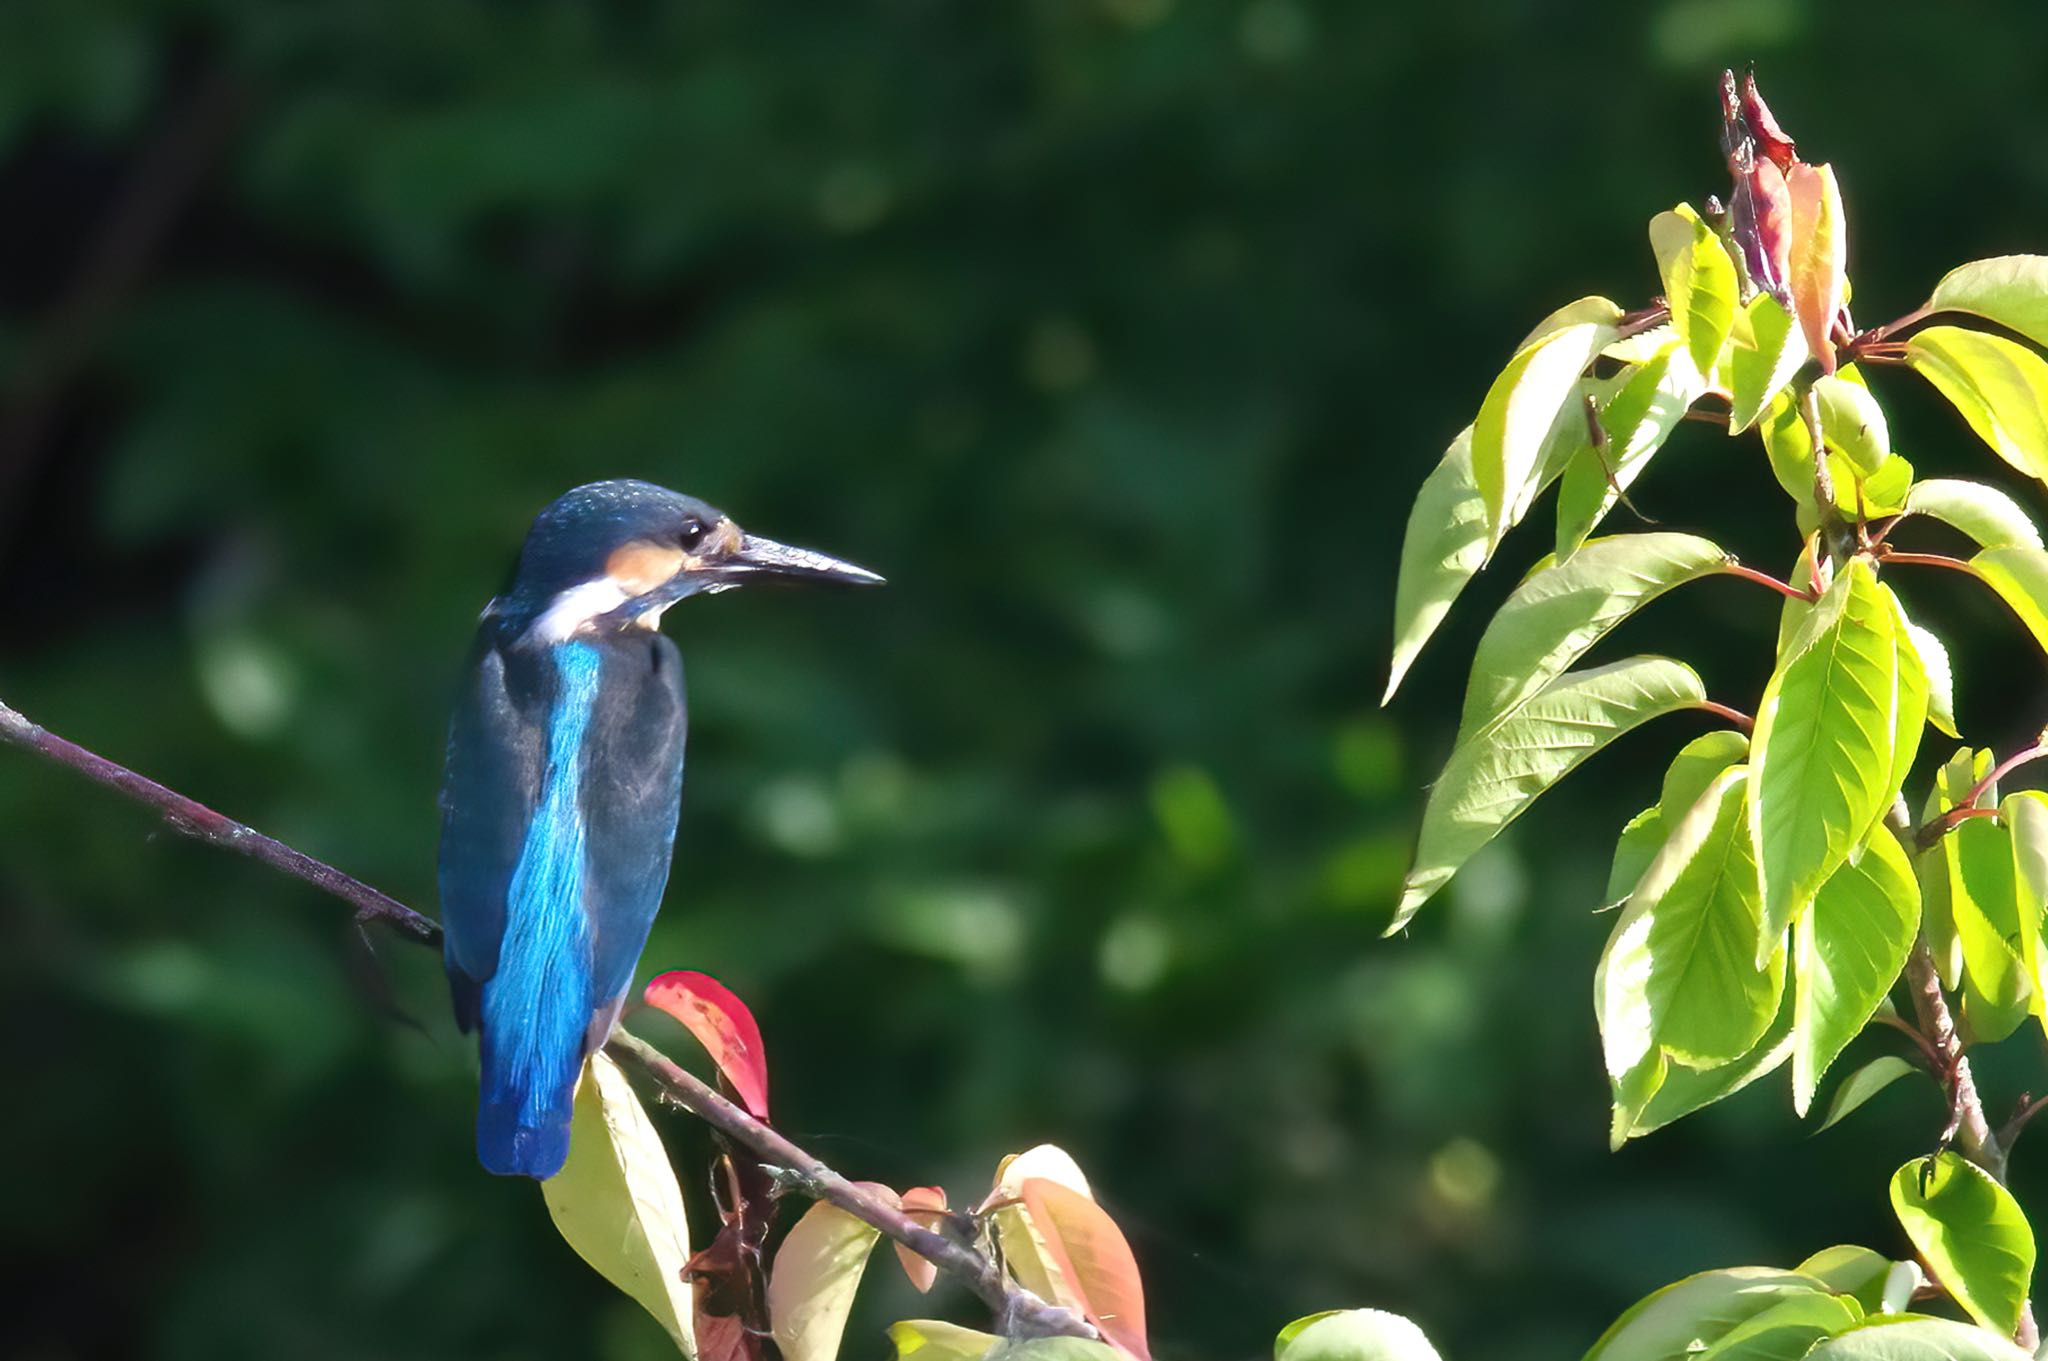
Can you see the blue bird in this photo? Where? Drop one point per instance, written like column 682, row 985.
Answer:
column 564, row 777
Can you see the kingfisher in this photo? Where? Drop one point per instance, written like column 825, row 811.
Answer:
column 564, row 780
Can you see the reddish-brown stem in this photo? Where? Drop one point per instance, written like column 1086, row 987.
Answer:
column 1929, row 560
column 1735, row 716
column 1020, row 1312
column 1736, row 569
column 1921, row 1042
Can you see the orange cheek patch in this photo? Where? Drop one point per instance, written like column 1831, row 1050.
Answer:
column 640, row 566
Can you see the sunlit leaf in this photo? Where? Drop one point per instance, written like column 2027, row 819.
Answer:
column 1848, row 950
column 1089, row 1252
column 1353, row 1335
column 1786, row 1331
column 720, row 1021
column 1849, row 1270
column 1682, row 1318
column 1444, row 546
column 1768, row 350
column 1687, row 777
column 1825, row 746
column 1561, row 610
column 1515, row 420
column 1984, row 513
column 1490, row 780
column 1788, row 444
column 617, row 1204
column 1818, row 265
column 1971, row 1233
column 2025, row 817
column 931, row 1201
column 1699, row 283
column 1658, row 1091
column 2020, row 576
column 1852, row 422
column 812, row 1280
column 1983, row 900
column 929, row 1339
column 1866, row 1082
column 1924, row 653
column 1914, row 1338
column 2011, row 290
column 1637, row 420
column 1025, row 1250
column 1604, row 311
column 1999, row 386
column 1937, row 913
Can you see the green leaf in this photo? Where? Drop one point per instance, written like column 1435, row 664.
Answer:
column 1688, row 776
column 1937, row 914
column 1924, row 651
column 1786, row 1331
column 1352, row 1335
column 1593, row 308
column 1659, row 1091
column 1060, row 1349
column 929, row 1339
column 2025, row 816
column 1768, row 350
column 1678, row 1321
column 1848, row 950
column 1983, row 899
column 1641, row 838
column 1490, row 780
column 1971, row 1233
column 1789, row 447
column 1984, row 513
column 1912, row 697
column 811, row 1284
column 1849, row 1270
column 1999, row 386
column 617, row 1204
column 1444, row 546
column 1515, row 420
column 1561, row 610
column 1679, row 972
column 1637, row 420
column 2020, row 576
column 2011, row 290
column 1866, row 1082
column 1914, row 1338
column 1852, row 422
column 1824, row 749
column 1699, row 283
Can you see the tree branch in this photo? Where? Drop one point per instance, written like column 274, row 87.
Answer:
column 1020, row 1312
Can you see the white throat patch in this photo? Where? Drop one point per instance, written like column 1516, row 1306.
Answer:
column 576, row 608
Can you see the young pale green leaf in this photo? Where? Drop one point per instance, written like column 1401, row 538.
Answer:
column 1640, row 840
column 617, row 1204
column 1914, row 1337
column 1679, row 973
column 1786, row 1331
column 1515, row 420
column 2025, row 815
column 2020, row 576
column 2011, row 290
column 1561, row 610
column 1694, row 768
column 1643, row 346
column 929, row 1339
column 1912, row 697
column 1984, row 513
column 1932, row 656
column 1999, row 386
column 1444, row 547
column 1352, row 1335
column 1699, row 283
column 1970, row 1231
column 1686, row 1316
column 1824, row 753
column 1768, row 350
column 1818, row 268
column 1852, row 423
column 1788, row 445
column 1490, row 780
column 1983, row 900
column 1937, row 913
column 1637, row 420
column 1866, row 1082
column 1599, row 310
column 812, row 1281
column 1847, row 951
column 1846, row 1269
column 1658, row 1091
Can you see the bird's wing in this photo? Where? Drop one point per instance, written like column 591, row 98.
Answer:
column 496, row 753
column 632, row 783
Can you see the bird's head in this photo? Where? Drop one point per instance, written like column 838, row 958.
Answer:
column 613, row 555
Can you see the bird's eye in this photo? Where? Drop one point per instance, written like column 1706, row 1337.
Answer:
column 693, row 533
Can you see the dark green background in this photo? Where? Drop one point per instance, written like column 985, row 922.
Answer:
column 1118, row 333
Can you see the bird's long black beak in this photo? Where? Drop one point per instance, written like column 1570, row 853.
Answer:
column 758, row 559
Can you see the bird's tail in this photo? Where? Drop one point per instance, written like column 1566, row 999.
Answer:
column 525, row 1107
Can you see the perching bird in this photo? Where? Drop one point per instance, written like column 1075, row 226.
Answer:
column 565, row 772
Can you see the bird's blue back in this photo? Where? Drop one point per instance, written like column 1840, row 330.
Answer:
column 559, row 812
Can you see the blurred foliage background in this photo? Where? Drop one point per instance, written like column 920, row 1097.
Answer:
column 1118, row 333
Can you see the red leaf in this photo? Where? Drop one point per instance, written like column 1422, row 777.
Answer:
column 1090, row 1252
column 1818, row 267
column 723, row 1025
column 924, row 1204
column 1762, row 226
column 1763, row 127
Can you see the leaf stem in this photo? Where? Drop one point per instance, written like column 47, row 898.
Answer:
column 1736, row 569
column 1889, row 556
column 1020, row 1312
column 1735, row 716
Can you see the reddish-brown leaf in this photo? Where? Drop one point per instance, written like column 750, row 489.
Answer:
column 1089, row 1250
column 1763, row 127
column 926, row 1205
column 1819, row 262
column 1761, row 221
column 723, row 1025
